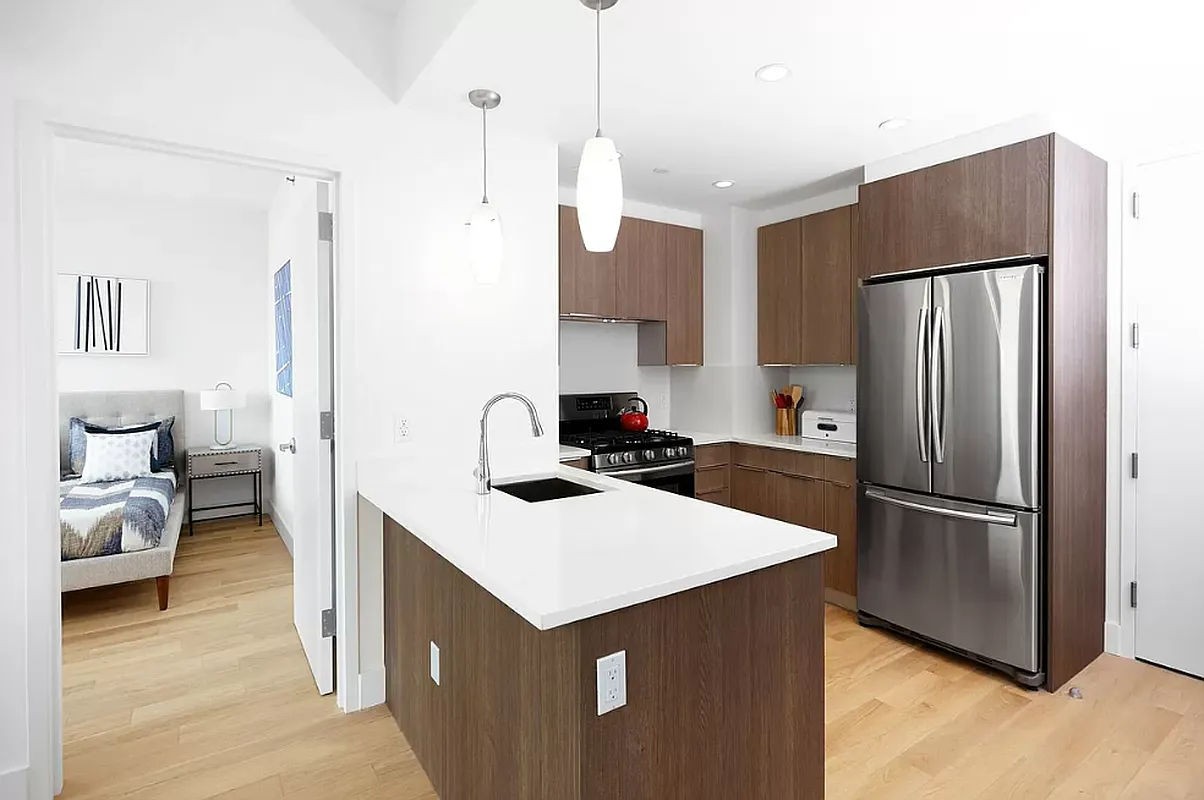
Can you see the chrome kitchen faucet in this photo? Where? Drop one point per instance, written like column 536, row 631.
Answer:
column 484, row 479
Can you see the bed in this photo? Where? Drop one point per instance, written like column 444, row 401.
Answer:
column 127, row 408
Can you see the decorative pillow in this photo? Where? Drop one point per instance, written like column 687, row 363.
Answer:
column 163, row 453
column 117, row 456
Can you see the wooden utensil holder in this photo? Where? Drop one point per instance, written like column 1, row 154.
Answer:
column 785, row 422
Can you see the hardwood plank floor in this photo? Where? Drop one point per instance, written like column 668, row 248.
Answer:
column 213, row 699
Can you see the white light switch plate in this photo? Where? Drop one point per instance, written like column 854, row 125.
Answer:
column 435, row 663
column 612, row 682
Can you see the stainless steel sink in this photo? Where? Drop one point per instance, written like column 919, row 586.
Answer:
column 541, row 489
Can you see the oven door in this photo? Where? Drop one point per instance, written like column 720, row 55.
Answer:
column 676, row 478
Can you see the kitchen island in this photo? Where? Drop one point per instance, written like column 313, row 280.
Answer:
column 497, row 611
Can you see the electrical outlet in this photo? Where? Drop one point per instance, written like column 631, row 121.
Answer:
column 435, row 663
column 401, row 429
column 612, row 682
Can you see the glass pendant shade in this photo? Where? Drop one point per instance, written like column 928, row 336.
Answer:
column 485, row 243
column 599, row 194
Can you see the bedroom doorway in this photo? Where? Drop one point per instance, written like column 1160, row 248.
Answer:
column 305, row 373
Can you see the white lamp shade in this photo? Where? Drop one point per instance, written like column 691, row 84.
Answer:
column 485, row 243
column 222, row 399
column 599, row 195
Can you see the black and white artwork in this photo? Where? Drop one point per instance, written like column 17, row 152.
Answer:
column 99, row 315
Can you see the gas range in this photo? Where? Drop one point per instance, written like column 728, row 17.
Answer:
column 661, row 459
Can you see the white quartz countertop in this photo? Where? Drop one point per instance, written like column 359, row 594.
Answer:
column 560, row 561
column 572, row 453
column 796, row 443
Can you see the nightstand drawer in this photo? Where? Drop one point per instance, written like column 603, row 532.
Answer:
column 221, row 463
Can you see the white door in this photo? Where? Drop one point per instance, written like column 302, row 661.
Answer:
column 306, row 458
column 1169, row 271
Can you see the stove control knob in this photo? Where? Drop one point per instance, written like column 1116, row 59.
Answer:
column 649, row 455
column 680, row 452
column 628, row 458
column 612, row 459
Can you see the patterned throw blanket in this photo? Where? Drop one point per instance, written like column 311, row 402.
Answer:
column 101, row 519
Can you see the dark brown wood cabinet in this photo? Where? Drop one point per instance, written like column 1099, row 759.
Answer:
column 683, row 321
column 653, row 277
column 587, row 280
column 982, row 207
column 577, row 463
column 640, row 270
column 826, row 314
column 840, row 520
column 798, row 500
column 752, row 490
column 779, row 292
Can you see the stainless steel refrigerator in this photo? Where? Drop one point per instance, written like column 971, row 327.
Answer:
column 949, row 462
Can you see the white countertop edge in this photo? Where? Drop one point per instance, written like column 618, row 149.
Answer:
column 796, row 443
column 567, row 616
column 569, row 453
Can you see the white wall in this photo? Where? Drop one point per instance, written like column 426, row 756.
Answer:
column 828, row 388
column 207, row 322
column 601, row 357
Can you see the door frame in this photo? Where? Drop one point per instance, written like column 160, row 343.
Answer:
column 1131, row 262
column 37, row 127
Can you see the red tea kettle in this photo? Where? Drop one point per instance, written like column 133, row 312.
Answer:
column 634, row 419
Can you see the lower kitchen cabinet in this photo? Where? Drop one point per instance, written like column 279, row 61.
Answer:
column 798, row 500
column 752, row 490
column 577, row 463
column 840, row 520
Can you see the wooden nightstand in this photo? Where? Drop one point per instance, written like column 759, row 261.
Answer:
column 206, row 462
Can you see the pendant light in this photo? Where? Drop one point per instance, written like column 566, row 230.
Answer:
column 484, row 223
column 599, row 178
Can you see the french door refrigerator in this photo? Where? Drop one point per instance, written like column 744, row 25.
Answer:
column 949, row 467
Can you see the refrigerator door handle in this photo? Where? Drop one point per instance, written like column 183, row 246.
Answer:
column 921, row 357
column 991, row 517
column 936, row 377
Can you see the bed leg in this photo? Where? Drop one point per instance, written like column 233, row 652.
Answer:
column 162, row 583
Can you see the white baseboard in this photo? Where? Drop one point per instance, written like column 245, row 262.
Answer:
column 286, row 535
column 1112, row 638
column 15, row 783
column 372, row 688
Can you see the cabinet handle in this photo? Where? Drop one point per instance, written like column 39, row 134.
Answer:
column 225, row 463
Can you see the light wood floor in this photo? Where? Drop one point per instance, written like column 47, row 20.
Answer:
column 212, row 699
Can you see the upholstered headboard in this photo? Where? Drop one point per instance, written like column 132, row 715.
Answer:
column 123, row 408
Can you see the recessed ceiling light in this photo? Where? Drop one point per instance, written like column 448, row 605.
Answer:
column 773, row 72
column 892, row 123
column 660, row 170
column 723, row 184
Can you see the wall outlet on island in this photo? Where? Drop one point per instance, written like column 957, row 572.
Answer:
column 435, row 663
column 612, row 682
column 401, row 429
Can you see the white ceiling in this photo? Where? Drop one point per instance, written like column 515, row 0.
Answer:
column 90, row 169
column 679, row 93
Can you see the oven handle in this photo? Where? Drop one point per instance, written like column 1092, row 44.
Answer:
column 685, row 468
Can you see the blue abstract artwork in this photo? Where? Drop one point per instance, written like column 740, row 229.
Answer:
column 283, row 291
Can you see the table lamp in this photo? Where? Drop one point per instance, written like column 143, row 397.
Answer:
column 222, row 397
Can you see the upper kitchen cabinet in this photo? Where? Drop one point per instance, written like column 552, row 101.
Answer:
column 805, row 289
column 640, row 270
column 683, row 326
column 827, row 268
column 779, row 292
column 983, row 207
column 587, row 280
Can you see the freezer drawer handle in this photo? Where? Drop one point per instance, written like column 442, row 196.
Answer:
column 992, row 517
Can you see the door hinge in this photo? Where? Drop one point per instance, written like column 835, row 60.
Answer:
column 326, row 425
column 1136, row 205
column 1134, row 332
column 328, row 623
column 1133, row 466
column 1133, row 594
column 325, row 226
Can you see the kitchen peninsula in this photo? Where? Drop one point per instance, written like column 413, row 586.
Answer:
column 497, row 611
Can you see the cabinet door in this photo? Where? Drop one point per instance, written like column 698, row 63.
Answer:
column 827, row 263
column 640, row 270
column 799, row 501
column 854, row 277
column 779, row 290
column 683, row 250
column 840, row 520
column 986, row 206
column 750, row 491
column 587, row 280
